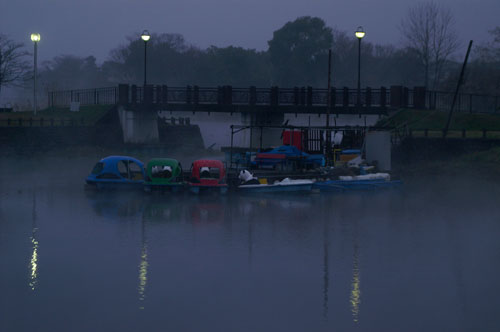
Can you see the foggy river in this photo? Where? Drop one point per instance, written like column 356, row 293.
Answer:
column 423, row 258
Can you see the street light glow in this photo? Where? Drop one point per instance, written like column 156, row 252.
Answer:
column 145, row 35
column 360, row 33
column 35, row 37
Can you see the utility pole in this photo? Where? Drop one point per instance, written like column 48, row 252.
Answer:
column 459, row 83
column 328, row 108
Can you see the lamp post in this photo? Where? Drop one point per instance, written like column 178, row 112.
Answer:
column 145, row 36
column 360, row 33
column 35, row 38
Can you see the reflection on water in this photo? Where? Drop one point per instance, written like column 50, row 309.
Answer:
column 247, row 263
column 355, row 287
column 33, row 278
column 325, row 268
column 143, row 268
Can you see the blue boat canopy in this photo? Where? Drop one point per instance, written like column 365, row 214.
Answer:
column 118, row 168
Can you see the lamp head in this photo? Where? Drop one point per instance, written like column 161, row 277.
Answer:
column 35, row 37
column 360, row 33
column 145, row 35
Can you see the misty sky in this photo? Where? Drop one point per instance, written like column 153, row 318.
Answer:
column 94, row 27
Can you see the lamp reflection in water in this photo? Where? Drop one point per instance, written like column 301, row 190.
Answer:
column 143, row 268
column 34, row 256
column 355, row 286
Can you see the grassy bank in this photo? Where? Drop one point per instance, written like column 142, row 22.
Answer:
column 477, row 164
column 432, row 120
column 88, row 114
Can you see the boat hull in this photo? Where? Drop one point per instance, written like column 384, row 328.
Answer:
column 113, row 185
column 339, row 185
column 201, row 189
column 272, row 188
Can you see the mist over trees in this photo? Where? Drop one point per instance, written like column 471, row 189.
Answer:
column 297, row 56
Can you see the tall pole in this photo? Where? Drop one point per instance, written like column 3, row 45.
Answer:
column 145, row 61
column 328, row 106
column 360, row 33
column 35, row 77
column 459, row 83
column 359, row 74
column 145, row 37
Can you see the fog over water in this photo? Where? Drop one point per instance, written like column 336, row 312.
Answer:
column 423, row 258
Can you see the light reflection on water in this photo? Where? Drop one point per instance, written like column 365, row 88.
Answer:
column 34, row 255
column 143, row 268
column 355, row 287
column 246, row 263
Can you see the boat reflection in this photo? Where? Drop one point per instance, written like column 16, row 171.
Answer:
column 116, row 205
column 355, row 297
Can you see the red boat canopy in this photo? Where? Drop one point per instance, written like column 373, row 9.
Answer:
column 215, row 169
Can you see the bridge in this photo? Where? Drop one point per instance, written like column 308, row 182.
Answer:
column 303, row 100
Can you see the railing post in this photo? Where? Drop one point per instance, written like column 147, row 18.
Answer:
column 470, row 103
column 196, row 95
column 158, row 94
column 228, row 95
column 345, row 97
column 274, row 96
column 133, row 93
column 406, row 94
column 368, row 97
column 419, row 97
column 123, row 90
column 220, row 95
column 383, row 97
column 253, row 96
column 303, row 96
column 147, row 94
column 188, row 94
column 309, row 96
column 296, row 96
column 164, row 94
column 333, row 97
column 95, row 96
column 396, row 96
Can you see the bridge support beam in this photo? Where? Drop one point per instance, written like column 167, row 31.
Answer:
column 263, row 137
column 138, row 127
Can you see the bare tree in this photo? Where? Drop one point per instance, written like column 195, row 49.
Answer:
column 14, row 67
column 428, row 30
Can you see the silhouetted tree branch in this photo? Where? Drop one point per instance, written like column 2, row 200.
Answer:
column 428, row 29
column 14, row 67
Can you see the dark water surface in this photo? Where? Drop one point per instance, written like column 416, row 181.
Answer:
column 425, row 258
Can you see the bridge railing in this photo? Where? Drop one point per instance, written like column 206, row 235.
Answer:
column 99, row 96
column 393, row 97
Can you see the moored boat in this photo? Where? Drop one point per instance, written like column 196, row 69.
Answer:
column 359, row 182
column 163, row 174
column 207, row 176
column 116, row 172
column 250, row 184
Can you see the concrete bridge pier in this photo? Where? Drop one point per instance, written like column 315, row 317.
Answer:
column 264, row 137
column 138, row 127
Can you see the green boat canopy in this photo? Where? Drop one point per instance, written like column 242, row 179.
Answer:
column 163, row 171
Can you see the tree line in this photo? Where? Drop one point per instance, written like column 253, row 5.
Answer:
column 296, row 56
